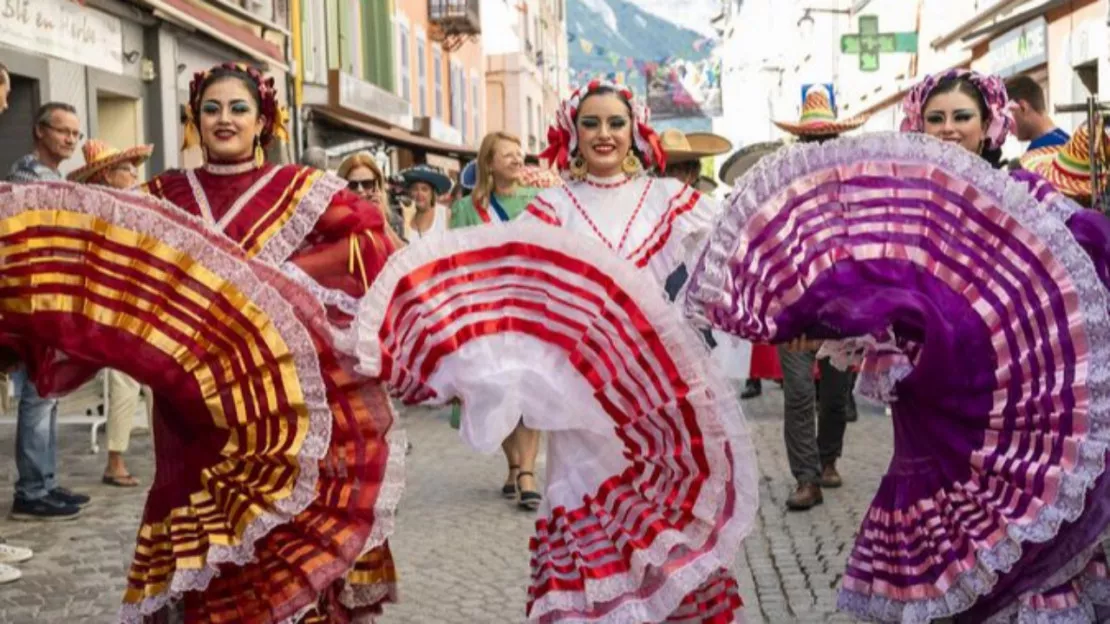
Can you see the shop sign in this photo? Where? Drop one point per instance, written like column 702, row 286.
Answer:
column 1018, row 50
column 65, row 30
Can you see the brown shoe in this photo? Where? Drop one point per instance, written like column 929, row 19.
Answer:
column 806, row 496
column 830, row 478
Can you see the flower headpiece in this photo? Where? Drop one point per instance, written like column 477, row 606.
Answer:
column 1000, row 120
column 562, row 136
column 277, row 116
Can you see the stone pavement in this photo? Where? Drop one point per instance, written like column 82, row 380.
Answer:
column 461, row 550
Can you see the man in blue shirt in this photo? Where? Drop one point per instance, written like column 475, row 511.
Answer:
column 1033, row 123
column 38, row 496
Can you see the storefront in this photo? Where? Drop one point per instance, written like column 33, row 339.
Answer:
column 1077, row 44
column 93, row 59
column 361, row 116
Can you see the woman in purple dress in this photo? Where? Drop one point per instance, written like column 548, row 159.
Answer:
column 976, row 306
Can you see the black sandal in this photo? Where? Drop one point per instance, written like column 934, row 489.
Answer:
column 527, row 499
column 509, row 489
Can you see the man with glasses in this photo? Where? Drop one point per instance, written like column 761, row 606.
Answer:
column 56, row 131
column 5, row 87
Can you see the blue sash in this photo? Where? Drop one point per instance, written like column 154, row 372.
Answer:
column 496, row 205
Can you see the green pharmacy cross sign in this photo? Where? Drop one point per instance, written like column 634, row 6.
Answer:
column 870, row 43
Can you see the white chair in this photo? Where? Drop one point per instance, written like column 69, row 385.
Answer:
column 87, row 405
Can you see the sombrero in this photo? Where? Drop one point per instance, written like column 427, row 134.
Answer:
column 468, row 177
column 539, row 177
column 99, row 156
column 745, row 158
column 683, row 147
column 429, row 175
column 818, row 118
column 705, row 185
column 1068, row 167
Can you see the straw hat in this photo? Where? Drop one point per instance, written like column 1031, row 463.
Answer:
column 99, row 156
column 1068, row 167
column 745, row 158
column 818, row 118
column 429, row 175
column 539, row 177
column 683, row 147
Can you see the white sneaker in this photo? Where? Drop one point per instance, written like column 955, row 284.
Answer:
column 14, row 554
column 9, row 574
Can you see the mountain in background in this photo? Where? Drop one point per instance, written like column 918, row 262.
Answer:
column 630, row 31
column 695, row 15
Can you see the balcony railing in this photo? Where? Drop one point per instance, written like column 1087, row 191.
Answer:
column 456, row 17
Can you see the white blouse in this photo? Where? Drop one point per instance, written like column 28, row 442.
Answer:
column 657, row 223
column 440, row 223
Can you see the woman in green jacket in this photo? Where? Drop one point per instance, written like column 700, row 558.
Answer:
column 499, row 197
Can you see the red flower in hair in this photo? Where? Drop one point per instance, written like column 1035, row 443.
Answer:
column 562, row 136
column 267, row 91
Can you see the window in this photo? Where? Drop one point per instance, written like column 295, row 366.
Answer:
column 404, row 85
column 437, row 69
column 531, row 120
column 464, row 114
column 422, row 73
column 352, row 54
column 458, row 95
column 475, row 107
column 260, row 8
column 315, row 46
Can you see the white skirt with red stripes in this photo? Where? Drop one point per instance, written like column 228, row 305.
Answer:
column 651, row 476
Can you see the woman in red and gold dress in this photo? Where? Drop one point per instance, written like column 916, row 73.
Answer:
column 333, row 244
column 277, row 474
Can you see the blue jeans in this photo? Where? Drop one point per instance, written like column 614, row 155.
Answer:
column 36, row 444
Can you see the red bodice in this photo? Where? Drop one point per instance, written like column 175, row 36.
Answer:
column 282, row 213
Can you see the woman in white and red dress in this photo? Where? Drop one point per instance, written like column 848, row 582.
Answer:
column 650, row 483
column 602, row 139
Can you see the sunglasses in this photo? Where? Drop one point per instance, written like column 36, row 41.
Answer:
column 366, row 185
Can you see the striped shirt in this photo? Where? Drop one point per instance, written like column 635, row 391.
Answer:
column 30, row 169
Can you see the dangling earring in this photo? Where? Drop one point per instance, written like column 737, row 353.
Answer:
column 578, row 168
column 259, row 154
column 631, row 164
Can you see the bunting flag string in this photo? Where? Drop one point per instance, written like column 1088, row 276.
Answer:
column 702, row 45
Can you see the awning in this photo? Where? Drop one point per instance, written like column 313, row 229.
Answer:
column 1013, row 21
column 192, row 13
column 988, row 13
column 391, row 135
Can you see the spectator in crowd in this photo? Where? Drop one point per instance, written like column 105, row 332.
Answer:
column 5, row 87
column 315, row 157
column 1031, row 114
column 364, row 178
column 108, row 166
column 56, row 131
column 9, row 554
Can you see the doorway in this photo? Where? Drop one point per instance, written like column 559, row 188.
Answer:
column 120, row 122
column 16, row 124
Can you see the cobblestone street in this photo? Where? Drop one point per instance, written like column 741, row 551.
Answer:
column 461, row 549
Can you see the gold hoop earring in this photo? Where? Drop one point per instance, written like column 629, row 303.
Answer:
column 631, row 164
column 578, row 168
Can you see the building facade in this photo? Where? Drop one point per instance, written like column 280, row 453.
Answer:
column 526, row 67
column 772, row 52
column 126, row 65
column 391, row 78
